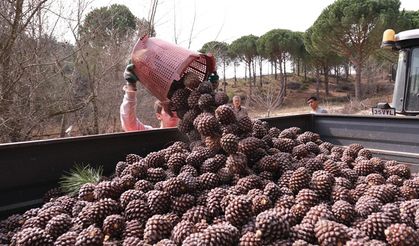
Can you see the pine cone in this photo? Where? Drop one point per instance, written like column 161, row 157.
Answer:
column 401, row 234
column 238, row 211
column 331, row 233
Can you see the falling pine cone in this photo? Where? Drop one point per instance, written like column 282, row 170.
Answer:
column 249, row 145
column 229, row 143
column 191, row 80
column 206, row 102
column 221, row 98
column 207, row 125
column 225, row 115
column 179, row 99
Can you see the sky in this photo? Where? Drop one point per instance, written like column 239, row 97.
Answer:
column 214, row 20
column 227, row 20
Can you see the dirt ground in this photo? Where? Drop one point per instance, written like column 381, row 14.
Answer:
column 339, row 101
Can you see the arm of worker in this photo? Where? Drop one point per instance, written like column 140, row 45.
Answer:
column 128, row 109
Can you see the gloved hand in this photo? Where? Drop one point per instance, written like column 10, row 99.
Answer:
column 129, row 74
column 213, row 77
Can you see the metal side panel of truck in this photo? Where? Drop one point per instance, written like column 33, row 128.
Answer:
column 29, row 169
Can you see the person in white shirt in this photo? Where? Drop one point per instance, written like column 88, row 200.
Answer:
column 128, row 108
column 313, row 102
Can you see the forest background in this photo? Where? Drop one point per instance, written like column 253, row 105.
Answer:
column 53, row 88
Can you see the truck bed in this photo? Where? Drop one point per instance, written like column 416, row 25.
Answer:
column 29, row 169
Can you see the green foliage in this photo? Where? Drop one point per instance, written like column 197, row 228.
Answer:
column 245, row 48
column 275, row 43
column 408, row 20
column 320, row 55
column 220, row 50
column 214, row 47
column 298, row 48
column 353, row 29
column 78, row 176
column 106, row 24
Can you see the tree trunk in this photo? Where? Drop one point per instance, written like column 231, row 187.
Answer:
column 285, row 77
column 63, row 125
column 358, row 70
column 281, row 92
column 254, row 71
column 317, row 82
column 346, row 68
column 245, row 72
column 224, row 75
column 95, row 113
column 276, row 69
column 298, row 66
column 337, row 74
column 390, row 77
column 250, row 78
column 369, row 78
column 235, row 74
column 305, row 72
column 326, row 80
column 280, row 68
column 260, row 72
column 6, row 101
column 272, row 68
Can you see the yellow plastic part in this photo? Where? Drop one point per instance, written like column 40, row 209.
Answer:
column 388, row 39
column 388, row 35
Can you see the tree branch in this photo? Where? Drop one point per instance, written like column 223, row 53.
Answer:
column 78, row 107
column 192, row 27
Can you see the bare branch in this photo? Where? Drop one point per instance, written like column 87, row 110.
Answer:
column 269, row 97
column 151, row 16
column 219, row 30
column 174, row 22
column 192, row 27
column 77, row 107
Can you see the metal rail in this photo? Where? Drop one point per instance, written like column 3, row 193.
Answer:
column 29, row 169
column 397, row 138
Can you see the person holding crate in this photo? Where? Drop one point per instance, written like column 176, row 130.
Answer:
column 128, row 115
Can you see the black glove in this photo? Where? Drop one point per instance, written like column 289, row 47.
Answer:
column 213, row 77
column 129, row 74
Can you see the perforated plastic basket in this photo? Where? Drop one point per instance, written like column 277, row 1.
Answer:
column 158, row 63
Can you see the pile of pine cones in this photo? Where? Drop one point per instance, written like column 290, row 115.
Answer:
column 237, row 182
